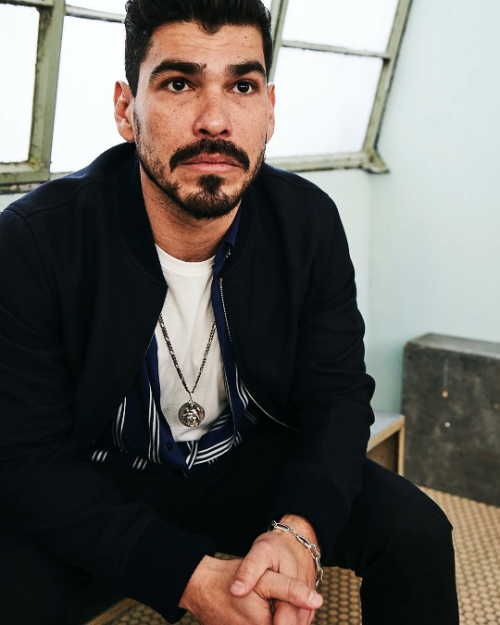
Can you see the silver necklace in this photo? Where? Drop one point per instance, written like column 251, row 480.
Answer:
column 191, row 414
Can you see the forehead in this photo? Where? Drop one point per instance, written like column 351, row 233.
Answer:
column 188, row 42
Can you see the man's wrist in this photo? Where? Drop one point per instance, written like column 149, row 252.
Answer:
column 300, row 525
column 195, row 583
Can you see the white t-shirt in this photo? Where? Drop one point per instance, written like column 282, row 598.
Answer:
column 188, row 317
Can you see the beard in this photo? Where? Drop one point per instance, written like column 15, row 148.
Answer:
column 210, row 201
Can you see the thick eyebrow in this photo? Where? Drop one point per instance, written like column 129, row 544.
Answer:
column 172, row 65
column 242, row 69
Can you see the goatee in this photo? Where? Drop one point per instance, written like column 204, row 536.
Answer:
column 210, row 202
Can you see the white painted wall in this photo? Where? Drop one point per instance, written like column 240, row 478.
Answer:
column 435, row 219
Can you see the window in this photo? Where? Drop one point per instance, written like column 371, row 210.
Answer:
column 333, row 65
column 84, row 121
column 50, row 52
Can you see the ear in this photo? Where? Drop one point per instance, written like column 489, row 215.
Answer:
column 124, row 102
column 272, row 104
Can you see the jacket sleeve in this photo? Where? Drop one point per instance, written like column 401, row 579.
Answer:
column 331, row 394
column 51, row 495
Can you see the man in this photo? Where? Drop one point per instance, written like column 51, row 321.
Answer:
column 144, row 427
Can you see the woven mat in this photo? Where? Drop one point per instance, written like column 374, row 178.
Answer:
column 476, row 537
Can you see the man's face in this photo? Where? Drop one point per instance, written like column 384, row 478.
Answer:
column 202, row 115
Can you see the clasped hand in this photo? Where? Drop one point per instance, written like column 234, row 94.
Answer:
column 238, row 592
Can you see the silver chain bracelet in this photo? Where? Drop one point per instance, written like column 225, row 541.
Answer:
column 311, row 547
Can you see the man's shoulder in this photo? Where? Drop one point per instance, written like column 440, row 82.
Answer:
column 73, row 191
column 289, row 192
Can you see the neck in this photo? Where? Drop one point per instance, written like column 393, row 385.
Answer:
column 178, row 233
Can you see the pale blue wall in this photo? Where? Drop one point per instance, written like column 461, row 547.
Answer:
column 7, row 199
column 435, row 219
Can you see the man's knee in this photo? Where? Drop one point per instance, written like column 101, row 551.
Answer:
column 419, row 531
column 400, row 515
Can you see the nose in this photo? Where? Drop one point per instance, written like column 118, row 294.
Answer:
column 212, row 120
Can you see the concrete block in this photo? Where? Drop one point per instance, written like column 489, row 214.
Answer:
column 451, row 401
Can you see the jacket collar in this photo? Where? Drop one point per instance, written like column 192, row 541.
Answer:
column 134, row 219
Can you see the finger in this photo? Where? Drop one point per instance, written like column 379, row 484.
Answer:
column 279, row 586
column 251, row 569
column 285, row 613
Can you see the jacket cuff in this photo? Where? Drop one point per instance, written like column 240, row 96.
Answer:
column 316, row 498
column 160, row 566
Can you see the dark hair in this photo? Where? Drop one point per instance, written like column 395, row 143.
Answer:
column 143, row 16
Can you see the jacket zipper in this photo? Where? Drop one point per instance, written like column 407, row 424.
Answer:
column 244, row 385
column 224, row 308
column 149, row 344
column 154, row 331
column 151, row 339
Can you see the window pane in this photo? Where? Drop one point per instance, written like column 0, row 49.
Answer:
column 106, row 6
column 91, row 61
column 324, row 102
column 358, row 24
column 267, row 3
column 18, row 40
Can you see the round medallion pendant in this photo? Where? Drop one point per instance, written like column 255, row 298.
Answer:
column 191, row 414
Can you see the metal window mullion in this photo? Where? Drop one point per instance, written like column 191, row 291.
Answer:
column 46, row 77
column 375, row 163
column 320, row 47
column 278, row 32
column 274, row 10
column 352, row 160
column 91, row 14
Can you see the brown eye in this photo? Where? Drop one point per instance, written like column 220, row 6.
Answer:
column 178, row 84
column 244, row 87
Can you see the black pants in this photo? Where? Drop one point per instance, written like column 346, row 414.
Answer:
column 396, row 539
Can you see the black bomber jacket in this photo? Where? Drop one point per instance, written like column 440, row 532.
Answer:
column 81, row 289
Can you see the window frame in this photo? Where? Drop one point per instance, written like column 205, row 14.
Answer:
column 21, row 176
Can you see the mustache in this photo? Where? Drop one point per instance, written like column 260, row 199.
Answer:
column 210, row 146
